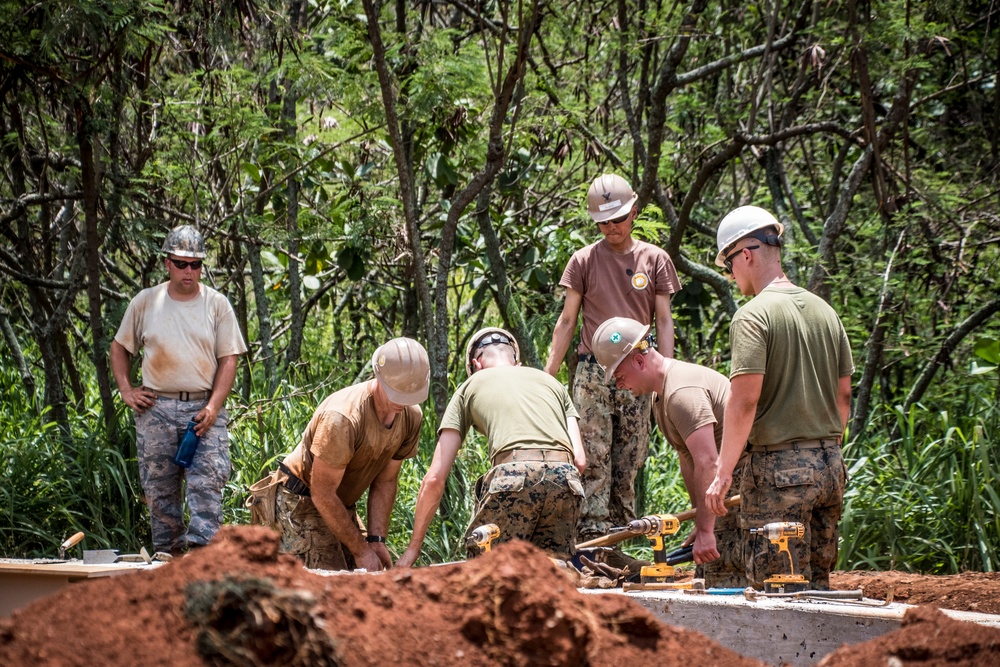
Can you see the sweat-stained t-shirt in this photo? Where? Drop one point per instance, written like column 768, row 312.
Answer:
column 618, row 284
column 797, row 341
column 182, row 341
column 515, row 407
column 692, row 397
column 346, row 432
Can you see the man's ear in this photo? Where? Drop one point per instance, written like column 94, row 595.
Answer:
column 638, row 360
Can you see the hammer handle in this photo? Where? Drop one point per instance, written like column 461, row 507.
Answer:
column 622, row 535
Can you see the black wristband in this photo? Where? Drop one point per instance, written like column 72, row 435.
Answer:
column 374, row 538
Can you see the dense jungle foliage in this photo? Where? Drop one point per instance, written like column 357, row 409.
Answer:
column 364, row 170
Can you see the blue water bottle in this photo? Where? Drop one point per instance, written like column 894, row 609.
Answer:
column 187, row 446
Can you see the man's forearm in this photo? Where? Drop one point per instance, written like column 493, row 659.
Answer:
column 381, row 497
column 225, row 377
column 339, row 520
column 428, row 501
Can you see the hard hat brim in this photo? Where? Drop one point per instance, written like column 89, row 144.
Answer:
column 624, row 209
column 407, row 398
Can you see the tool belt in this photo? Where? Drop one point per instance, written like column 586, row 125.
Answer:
column 261, row 501
column 588, row 357
column 796, row 445
column 183, row 395
column 517, row 455
column 293, row 483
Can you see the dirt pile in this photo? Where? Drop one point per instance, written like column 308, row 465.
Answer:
column 927, row 638
column 969, row 591
column 240, row 602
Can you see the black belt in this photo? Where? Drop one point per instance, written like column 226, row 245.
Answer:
column 796, row 445
column 293, row 483
column 588, row 357
column 551, row 455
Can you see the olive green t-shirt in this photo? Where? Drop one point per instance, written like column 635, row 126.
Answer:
column 692, row 397
column 515, row 407
column 796, row 340
column 346, row 432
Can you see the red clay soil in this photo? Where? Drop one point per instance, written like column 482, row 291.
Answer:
column 969, row 591
column 927, row 638
column 509, row 607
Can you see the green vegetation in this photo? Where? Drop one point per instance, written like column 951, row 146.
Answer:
column 361, row 174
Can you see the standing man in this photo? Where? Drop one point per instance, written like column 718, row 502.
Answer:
column 356, row 441
column 689, row 402
column 617, row 276
column 533, row 491
column 191, row 343
column 790, row 402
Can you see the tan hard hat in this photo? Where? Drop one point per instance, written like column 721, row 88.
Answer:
column 499, row 337
column 614, row 339
column 402, row 368
column 184, row 241
column 741, row 222
column 610, row 196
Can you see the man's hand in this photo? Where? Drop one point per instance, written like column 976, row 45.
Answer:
column 205, row 419
column 705, row 549
column 409, row 557
column 382, row 551
column 716, row 494
column 139, row 399
column 369, row 560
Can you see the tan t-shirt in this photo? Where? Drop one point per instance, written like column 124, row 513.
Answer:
column 182, row 341
column 515, row 407
column 692, row 397
column 618, row 285
column 346, row 432
column 796, row 340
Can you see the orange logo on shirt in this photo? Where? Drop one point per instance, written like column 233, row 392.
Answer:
column 640, row 281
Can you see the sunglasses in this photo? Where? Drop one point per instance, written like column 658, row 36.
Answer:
column 615, row 221
column 181, row 264
column 728, row 260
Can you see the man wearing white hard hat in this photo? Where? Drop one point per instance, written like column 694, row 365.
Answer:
column 624, row 277
column 356, row 441
column 790, row 402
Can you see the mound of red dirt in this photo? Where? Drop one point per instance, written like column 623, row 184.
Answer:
column 927, row 638
column 969, row 591
column 238, row 601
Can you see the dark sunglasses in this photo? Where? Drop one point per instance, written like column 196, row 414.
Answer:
column 181, row 264
column 615, row 221
column 728, row 260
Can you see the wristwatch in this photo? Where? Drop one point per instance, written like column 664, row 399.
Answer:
column 374, row 538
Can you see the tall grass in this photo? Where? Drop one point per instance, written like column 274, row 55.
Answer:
column 927, row 501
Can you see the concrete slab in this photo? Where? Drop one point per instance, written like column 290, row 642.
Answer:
column 24, row 581
column 793, row 632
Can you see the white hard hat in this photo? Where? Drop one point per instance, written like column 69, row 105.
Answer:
column 739, row 223
column 610, row 196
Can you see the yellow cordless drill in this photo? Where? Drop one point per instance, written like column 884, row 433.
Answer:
column 656, row 527
column 779, row 533
column 483, row 536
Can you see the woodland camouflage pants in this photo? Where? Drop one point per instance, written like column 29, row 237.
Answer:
column 304, row 533
column 536, row 501
column 614, row 425
column 158, row 431
column 805, row 486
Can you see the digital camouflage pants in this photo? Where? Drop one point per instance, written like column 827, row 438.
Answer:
column 729, row 570
column 614, row 425
column 805, row 486
column 536, row 501
column 304, row 533
column 158, row 431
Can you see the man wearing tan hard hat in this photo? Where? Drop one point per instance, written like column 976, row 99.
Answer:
column 356, row 441
column 533, row 490
column 616, row 276
column 689, row 403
